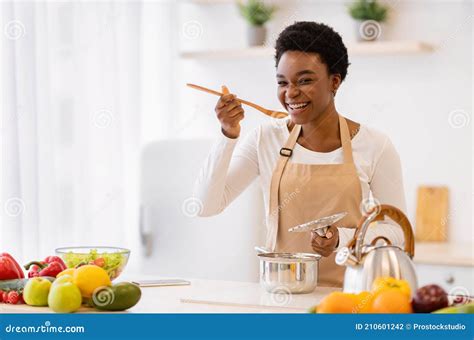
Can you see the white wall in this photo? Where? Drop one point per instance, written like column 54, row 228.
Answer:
column 408, row 97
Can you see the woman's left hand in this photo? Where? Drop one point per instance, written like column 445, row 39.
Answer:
column 325, row 245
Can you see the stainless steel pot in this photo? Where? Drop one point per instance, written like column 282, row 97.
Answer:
column 295, row 273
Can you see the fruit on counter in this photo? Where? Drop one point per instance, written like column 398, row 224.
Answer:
column 69, row 271
column 429, row 298
column 51, row 266
column 462, row 309
column 386, row 283
column 12, row 297
column 36, row 291
column 63, row 279
column 338, row 302
column 90, row 277
column 391, row 301
column 389, row 295
column 9, row 268
column 364, row 302
column 120, row 296
column 64, row 296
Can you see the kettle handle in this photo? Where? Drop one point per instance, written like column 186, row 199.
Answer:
column 378, row 213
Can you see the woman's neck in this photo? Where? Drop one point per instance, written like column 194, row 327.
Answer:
column 322, row 133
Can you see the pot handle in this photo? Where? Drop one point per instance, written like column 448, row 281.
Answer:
column 378, row 213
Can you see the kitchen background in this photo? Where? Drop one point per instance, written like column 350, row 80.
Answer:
column 101, row 139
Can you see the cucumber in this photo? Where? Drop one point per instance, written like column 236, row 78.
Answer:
column 120, row 296
column 17, row 284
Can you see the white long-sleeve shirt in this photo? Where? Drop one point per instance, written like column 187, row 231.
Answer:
column 233, row 164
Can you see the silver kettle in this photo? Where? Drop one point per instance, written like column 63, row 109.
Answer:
column 365, row 263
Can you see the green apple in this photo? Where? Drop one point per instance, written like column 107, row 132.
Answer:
column 62, row 279
column 64, row 297
column 461, row 309
column 36, row 291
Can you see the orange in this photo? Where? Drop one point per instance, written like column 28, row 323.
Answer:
column 391, row 301
column 69, row 271
column 364, row 302
column 90, row 277
column 338, row 302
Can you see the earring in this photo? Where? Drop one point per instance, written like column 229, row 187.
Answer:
column 334, row 93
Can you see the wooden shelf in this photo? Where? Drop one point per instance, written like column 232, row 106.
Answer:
column 249, row 52
column 396, row 47
column 355, row 49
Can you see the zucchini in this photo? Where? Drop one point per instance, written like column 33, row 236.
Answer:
column 120, row 296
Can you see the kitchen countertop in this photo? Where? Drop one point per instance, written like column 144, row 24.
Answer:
column 213, row 296
column 207, row 296
column 444, row 253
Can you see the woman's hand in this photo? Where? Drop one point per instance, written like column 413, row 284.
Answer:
column 229, row 112
column 325, row 245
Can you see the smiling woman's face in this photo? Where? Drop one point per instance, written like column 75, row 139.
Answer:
column 304, row 85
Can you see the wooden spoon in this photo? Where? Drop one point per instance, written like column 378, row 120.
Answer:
column 274, row 114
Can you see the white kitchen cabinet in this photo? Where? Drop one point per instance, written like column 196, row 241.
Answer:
column 454, row 279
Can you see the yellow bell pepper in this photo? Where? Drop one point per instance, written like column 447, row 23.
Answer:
column 386, row 283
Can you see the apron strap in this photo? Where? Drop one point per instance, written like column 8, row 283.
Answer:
column 345, row 140
column 274, row 213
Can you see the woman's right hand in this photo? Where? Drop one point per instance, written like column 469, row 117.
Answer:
column 229, row 112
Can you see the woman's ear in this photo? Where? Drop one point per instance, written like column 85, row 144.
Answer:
column 335, row 80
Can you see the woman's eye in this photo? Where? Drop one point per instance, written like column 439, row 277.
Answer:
column 305, row 81
column 282, row 83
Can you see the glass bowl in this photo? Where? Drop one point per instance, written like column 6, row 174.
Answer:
column 112, row 259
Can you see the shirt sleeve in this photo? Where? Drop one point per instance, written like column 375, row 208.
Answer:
column 386, row 186
column 230, row 167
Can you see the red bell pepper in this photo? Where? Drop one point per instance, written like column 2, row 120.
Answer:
column 51, row 266
column 9, row 268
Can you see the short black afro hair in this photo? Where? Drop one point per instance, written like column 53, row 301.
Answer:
column 313, row 37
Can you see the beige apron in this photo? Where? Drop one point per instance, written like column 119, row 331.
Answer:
column 301, row 193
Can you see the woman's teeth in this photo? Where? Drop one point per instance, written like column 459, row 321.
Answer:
column 298, row 106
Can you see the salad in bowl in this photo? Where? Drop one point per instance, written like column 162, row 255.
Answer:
column 112, row 259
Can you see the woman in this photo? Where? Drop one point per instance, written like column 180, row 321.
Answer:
column 314, row 163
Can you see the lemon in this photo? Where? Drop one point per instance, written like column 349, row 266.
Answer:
column 69, row 271
column 90, row 277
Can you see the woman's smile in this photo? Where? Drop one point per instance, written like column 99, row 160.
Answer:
column 296, row 108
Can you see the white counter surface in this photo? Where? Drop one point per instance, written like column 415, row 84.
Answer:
column 207, row 296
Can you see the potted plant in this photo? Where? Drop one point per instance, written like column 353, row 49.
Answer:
column 369, row 16
column 257, row 14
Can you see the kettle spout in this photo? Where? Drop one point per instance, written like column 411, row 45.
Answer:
column 344, row 257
